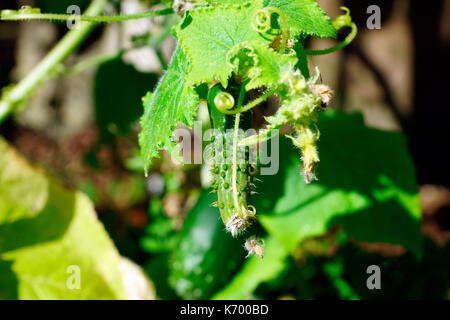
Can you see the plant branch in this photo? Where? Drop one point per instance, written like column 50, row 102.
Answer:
column 13, row 96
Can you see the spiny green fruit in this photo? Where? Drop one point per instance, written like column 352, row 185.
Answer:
column 235, row 219
column 232, row 194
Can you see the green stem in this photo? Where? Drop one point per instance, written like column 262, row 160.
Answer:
column 346, row 42
column 8, row 15
column 252, row 104
column 11, row 98
column 160, row 57
column 235, row 147
column 234, row 173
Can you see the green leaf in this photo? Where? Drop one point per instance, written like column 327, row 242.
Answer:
column 45, row 229
column 118, row 91
column 207, row 34
column 304, row 17
column 302, row 63
column 366, row 184
column 256, row 271
column 172, row 102
column 259, row 63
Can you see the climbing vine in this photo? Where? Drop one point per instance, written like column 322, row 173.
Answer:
column 244, row 53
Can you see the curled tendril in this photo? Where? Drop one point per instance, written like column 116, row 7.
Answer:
column 252, row 170
column 340, row 22
column 224, row 101
column 344, row 20
column 262, row 22
column 317, row 132
column 251, row 210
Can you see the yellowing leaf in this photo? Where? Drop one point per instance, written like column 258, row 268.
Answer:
column 50, row 238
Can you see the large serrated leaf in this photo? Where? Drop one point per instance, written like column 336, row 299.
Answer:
column 304, row 17
column 172, row 102
column 207, row 34
column 366, row 184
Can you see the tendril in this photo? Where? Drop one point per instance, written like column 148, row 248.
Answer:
column 262, row 22
column 251, row 210
column 343, row 20
column 252, row 170
column 224, row 101
column 339, row 23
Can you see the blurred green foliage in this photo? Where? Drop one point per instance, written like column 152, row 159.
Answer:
column 118, row 92
column 366, row 184
column 45, row 229
column 366, row 189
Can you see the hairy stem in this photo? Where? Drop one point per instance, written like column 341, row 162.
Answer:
column 346, row 42
column 88, row 17
column 11, row 98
